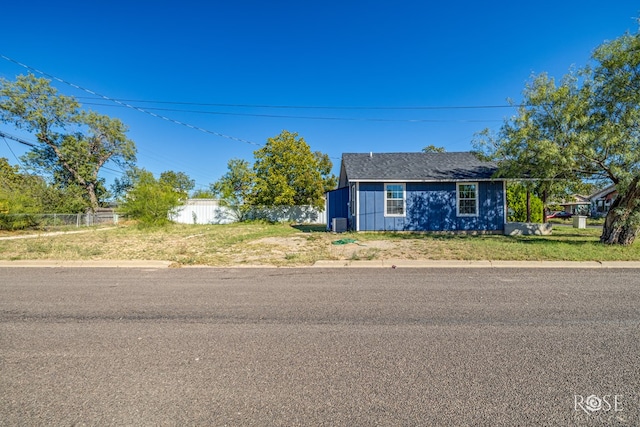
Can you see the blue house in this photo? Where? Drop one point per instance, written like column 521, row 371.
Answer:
column 451, row 192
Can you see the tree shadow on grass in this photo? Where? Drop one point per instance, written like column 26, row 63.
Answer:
column 310, row 228
column 577, row 239
column 568, row 238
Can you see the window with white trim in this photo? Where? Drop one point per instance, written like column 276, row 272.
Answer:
column 394, row 200
column 467, row 198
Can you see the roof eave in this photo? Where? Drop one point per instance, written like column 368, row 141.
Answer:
column 428, row 180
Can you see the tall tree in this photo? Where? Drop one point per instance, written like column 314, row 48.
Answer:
column 235, row 187
column 531, row 145
column 73, row 145
column 614, row 95
column 289, row 173
column 179, row 181
column 584, row 127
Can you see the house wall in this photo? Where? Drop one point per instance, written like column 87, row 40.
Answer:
column 337, row 204
column 431, row 207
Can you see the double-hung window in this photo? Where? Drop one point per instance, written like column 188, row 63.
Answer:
column 394, row 200
column 467, row 198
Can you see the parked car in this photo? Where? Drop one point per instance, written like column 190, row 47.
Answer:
column 560, row 215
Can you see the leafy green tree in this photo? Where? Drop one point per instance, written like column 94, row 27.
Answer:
column 613, row 92
column 22, row 194
column 518, row 211
column 235, row 187
column 15, row 204
column 9, row 175
column 288, row 173
column 584, row 127
column 433, row 149
column 73, row 145
column 149, row 200
column 202, row 194
column 179, row 181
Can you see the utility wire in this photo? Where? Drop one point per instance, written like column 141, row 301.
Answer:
column 364, row 119
column 17, row 139
column 5, row 135
column 127, row 105
column 317, row 107
column 11, row 150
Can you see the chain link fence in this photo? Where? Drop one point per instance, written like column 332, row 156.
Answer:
column 19, row 221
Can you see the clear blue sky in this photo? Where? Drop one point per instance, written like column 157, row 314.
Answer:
column 331, row 54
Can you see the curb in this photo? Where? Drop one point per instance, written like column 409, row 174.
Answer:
column 476, row 264
column 399, row 263
column 86, row 264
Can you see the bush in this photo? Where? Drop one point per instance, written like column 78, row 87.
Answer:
column 517, row 204
column 150, row 200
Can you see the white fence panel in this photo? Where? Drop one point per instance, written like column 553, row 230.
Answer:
column 299, row 214
column 209, row 211
column 202, row 211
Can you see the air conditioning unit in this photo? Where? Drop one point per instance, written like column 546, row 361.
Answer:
column 339, row 225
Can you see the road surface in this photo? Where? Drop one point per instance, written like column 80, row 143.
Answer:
column 308, row 347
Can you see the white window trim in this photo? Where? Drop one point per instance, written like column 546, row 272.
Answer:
column 354, row 204
column 352, row 199
column 357, row 217
column 505, row 213
column 404, row 200
column 458, row 184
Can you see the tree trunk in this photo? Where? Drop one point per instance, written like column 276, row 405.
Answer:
column 617, row 229
column 93, row 198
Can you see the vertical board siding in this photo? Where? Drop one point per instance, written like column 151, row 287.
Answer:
column 337, row 204
column 202, row 211
column 371, row 200
column 432, row 207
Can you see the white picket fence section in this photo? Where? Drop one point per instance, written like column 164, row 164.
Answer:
column 209, row 211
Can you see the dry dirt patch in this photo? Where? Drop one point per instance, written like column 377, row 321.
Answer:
column 291, row 243
column 371, row 249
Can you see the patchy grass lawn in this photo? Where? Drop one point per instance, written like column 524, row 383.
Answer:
column 258, row 243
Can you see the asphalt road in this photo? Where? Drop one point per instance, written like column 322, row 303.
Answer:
column 319, row 347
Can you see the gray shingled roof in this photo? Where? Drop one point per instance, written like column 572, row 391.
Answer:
column 416, row 167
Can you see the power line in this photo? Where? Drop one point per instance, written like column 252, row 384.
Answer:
column 4, row 135
column 363, row 119
column 127, row 105
column 17, row 139
column 317, row 107
column 11, row 150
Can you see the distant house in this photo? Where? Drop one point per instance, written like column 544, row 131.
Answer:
column 601, row 200
column 418, row 192
column 578, row 205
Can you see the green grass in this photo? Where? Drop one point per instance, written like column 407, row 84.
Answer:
column 286, row 245
column 565, row 244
